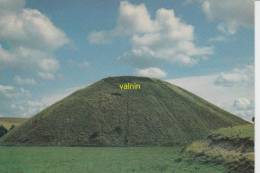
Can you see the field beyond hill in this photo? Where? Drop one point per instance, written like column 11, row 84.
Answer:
column 8, row 122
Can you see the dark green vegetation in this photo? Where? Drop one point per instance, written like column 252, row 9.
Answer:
column 103, row 115
column 3, row 131
column 232, row 147
column 11, row 122
column 100, row 160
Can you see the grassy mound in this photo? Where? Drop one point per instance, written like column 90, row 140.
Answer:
column 104, row 115
column 233, row 147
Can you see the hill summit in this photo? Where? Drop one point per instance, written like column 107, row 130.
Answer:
column 123, row 111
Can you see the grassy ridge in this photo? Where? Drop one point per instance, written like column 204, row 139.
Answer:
column 245, row 132
column 233, row 147
column 100, row 160
column 103, row 115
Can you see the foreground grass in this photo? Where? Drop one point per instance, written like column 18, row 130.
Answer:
column 100, row 160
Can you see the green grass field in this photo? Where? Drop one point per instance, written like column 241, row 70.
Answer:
column 100, row 160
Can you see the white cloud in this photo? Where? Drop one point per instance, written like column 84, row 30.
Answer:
column 33, row 106
column 84, row 64
column 31, row 37
column 238, row 76
column 243, row 104
column 231, row 15
column 100, row 37
column 78, row 64
column 30, row 28
column 10, row 92
column 6, row 90
column 153, row 72
column 49, row 65
column 10, row 95
column 23, row 59
column 244, row 107
column 46, row 76
column 16, row 101
column 134, row 19
column 164, row 38
column 232, row 98
column 11, row 5
column 219, row 38
column 24, row 81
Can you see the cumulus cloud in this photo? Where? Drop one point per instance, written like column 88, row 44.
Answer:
column 29, row 27
column 28, row 41
column 219, row 38
column 46, row 76
column 101, row 37
column 9, row 95
column 164, row 38
column 24, row 81
column 31, row 38
column 132, row 19
column 11, row 5
column 231, row 15
column 243, row 104
column 17, row 101
column 153, row 72
column 35, row 105
column 79, row 64
column 6, row 90
column 24, row 59
column 238, row 76
column 244, row 107
column 234, row 96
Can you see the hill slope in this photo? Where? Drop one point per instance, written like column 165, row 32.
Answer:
column 104, row 115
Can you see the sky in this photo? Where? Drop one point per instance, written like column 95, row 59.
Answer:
column 51, row 48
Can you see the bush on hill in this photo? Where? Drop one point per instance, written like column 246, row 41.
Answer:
column 3, row 131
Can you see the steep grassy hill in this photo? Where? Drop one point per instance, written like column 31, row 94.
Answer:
column 104, row 115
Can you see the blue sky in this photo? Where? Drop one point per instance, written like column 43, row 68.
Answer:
column 49, row 49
